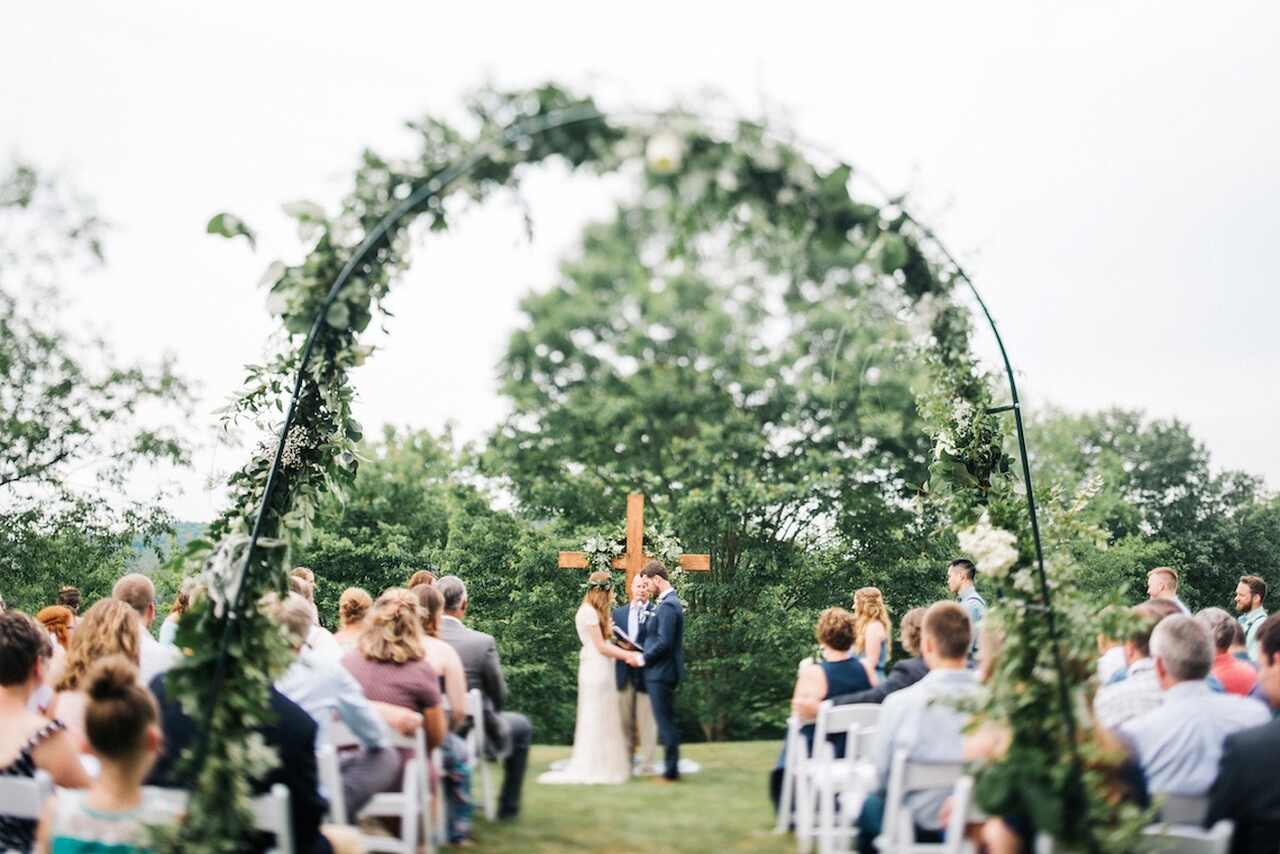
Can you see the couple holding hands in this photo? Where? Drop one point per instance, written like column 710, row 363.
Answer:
column 614, row 677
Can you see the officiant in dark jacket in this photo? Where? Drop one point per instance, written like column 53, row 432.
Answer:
column 639, row 729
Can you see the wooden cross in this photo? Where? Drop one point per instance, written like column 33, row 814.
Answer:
column 634, row 558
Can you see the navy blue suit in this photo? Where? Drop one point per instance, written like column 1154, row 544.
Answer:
column 663, row 669
column 622, row 671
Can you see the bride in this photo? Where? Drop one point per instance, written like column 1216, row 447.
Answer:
column 599, row 750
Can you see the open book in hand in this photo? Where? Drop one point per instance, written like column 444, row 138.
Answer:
column 625, row 640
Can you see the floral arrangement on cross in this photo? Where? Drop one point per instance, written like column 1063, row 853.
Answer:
column 603, row 549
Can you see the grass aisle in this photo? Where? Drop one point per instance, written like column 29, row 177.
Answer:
column 725, row 807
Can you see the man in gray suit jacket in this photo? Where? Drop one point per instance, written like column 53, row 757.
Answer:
column 509, row 734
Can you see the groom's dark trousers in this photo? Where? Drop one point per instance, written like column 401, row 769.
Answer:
column 663, row 668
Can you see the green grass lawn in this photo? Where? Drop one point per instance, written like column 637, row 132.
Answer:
column 725, row 807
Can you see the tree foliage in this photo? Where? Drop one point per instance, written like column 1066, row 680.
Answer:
column 69, row 409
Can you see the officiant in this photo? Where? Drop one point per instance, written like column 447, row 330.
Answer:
column 639, row 730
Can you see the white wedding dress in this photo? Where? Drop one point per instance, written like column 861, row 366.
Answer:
column 599, row 751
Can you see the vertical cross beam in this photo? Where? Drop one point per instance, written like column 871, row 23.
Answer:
column 635, row 538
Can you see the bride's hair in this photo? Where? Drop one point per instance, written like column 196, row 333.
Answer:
column 600, row 596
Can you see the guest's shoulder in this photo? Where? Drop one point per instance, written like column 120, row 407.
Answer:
column 1261, row 740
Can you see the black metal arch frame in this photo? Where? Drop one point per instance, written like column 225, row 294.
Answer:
column 436, row 185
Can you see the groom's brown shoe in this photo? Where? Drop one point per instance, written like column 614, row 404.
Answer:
column 663, row 781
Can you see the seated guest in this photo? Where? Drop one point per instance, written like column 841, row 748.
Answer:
column 453, row 679
column 872, row 628
column 324, row 688
column 1236, row 677
column 917, row 720
column 169, row 628
column 121, row 723
column 1179, row 743
column 1247, row 789
column 907, row 672
column 837, row 672
column 291, row 733
column 137, row 591
column 320, row 640
column 422, row 576
column 110, row 627
column 390, row 662
column 1110, row 661
column 57, row 621
column 443, row 657
column 1163, row 607
column 1239, row 646
column 507, row 734
column 27, row 740
column 353, row 607
column 69, row 597
column 1139, row 692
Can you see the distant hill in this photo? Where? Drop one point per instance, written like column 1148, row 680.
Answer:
column 144, row 559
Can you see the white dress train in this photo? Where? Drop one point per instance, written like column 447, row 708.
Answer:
column 599, row 751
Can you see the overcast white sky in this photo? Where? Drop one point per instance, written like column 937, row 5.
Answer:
column 1108, row 171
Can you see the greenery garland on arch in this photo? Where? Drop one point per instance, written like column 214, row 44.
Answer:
column 742, row 177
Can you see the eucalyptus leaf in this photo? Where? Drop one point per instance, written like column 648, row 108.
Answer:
column 338, row 316
column 229, row 225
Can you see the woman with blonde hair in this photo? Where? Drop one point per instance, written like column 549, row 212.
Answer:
column 390, row 661
column 110, row 627
column 872, row 628
column 599, row 750
column 57, row 621
column 353, row 608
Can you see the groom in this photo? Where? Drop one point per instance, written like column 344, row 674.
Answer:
column 663, row 662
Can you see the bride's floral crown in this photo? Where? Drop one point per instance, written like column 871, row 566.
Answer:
column 602, row 584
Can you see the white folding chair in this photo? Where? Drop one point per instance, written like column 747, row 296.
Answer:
column 440, row 817
column 1183, row 809
column 329, row 770
column 897, row 833
column 820, row 777
column 271, row 813
column 411, row 805
column 1165, row 838
column 24, row 797
column 794, row 751
column 476, row 754
column 1187, row 839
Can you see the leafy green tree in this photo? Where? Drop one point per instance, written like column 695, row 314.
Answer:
column 758, row 395
column 1161, row 503
column 67, row 405
column 393, row 520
